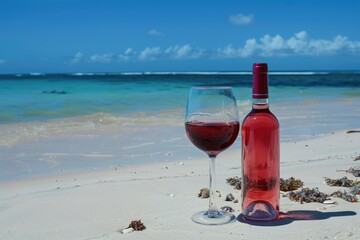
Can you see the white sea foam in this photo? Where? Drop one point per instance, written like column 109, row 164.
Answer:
column 297, row 73
column 84, row 74
column 14, row 133
column 36, row 74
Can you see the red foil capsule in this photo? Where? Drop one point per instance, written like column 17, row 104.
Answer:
column 260, row 80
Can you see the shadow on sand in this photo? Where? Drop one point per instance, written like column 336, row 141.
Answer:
column 304, row 215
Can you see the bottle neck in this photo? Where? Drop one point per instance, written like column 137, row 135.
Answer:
column 260, row 103
column 260, row 90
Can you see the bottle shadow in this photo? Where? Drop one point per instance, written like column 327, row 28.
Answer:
column 298, row 215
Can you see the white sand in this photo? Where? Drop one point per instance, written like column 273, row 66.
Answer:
column 97, row 205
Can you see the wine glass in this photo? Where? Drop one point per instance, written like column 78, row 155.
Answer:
column 212, row 125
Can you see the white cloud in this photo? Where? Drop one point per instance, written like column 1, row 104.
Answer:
column 249, row 48
column 2, row 61
column 269, row 44
column 77, row 58
column 102, row 58
column 128, row 54
column 339, row 44
column 155, row 33
column 241, row 19
column 183, row 52
column 227, row 52
column 128, row 51
column 150, row 53
column 300, row 44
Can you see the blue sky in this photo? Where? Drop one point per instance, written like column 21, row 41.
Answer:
column 184, row 35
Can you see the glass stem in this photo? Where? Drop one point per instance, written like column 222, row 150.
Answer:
column 213, row 210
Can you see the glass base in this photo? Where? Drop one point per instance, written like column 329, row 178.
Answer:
column 260, row 211
column 204, row 218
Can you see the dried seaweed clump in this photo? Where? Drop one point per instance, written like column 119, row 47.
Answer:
column 234, row 181
column 137, row 225
column 341, row 182
column 290, row 184
column 353, row 170
column 355, row 189
column 307, row 195
column 344, row 195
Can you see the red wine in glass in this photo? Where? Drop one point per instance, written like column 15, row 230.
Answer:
column 212, row 137
column 212, row 125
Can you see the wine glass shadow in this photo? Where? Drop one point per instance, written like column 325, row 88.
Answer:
column 298, row 215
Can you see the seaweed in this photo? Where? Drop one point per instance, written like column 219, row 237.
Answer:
column 345, row 195
column 290, row 184
column 355, row 189
column 234, row 181
column 355, row 171
column 286, row 185
column 341, row 182
column 137, row 225
column 307, row 195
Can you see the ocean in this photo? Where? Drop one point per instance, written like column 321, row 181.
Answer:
column 38, row 97
column 142, row 115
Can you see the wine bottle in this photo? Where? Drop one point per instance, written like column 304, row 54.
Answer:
column 260, row 154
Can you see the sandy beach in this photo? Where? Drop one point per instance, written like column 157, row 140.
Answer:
column 99, row 204
column 94, row 120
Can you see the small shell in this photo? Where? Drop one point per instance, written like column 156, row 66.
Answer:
column 171, row 195
column 127, row 230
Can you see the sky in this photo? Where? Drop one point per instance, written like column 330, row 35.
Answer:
column 55, row 36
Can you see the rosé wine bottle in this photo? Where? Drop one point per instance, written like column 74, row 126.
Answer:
column 260, row 154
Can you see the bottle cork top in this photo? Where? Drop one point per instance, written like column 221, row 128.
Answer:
column 260, row 80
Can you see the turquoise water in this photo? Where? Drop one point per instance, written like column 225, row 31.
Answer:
column 329, row 100
column 30, row 97
column 60, row 123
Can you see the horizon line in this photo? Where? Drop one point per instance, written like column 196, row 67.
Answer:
column 226, row 72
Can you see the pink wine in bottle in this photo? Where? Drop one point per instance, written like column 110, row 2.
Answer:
column 260, row 154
